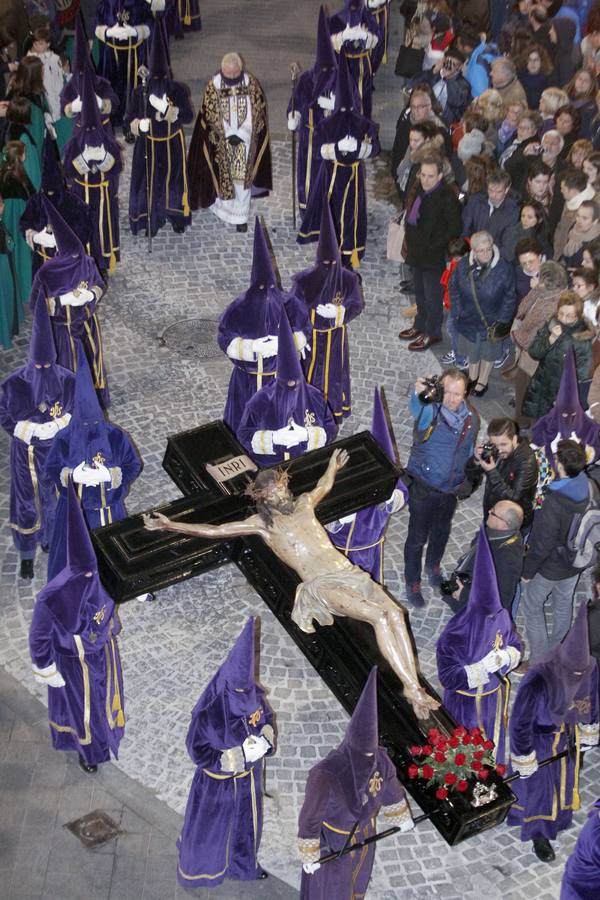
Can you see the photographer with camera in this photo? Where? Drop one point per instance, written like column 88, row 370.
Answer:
column 445, row 433
column 509, row 467
column 503, row 530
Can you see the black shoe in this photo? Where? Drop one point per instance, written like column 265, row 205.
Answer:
column 543, row 850
column 407, row 287
column 262, row 875
column 45, row 548
column 129, row 137
column 241, row 228
column 26, row 569
column 179, row 228
column 414, row 595
column 89, row 770
column 434, row 577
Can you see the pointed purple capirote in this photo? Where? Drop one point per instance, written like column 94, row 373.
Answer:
column 263, row 273
column 80, row 552
column 89, row 118
column 159, row 63
column 288, row 360
column 344, row 90
column 567, row 418
column 81, row 51
column 52, row 176
column 67, row 242
column 362, row 733
column 325, row 58
column 328, row 248
column 238, row 669
column 380, row 428
column 42, row 349
column 86, row 409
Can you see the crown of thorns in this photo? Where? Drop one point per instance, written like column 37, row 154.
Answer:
column 280, row 477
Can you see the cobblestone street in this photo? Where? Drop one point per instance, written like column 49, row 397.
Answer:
column 163, row 382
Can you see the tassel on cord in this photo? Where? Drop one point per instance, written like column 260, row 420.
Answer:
column 112, row 265
column 354, row 260
column 186, row 205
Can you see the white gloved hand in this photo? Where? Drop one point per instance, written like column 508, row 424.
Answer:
column 294, row 120
column 114, row 31
column 159, row 103
column 55, row 681
column 44, row 238
column 496, row 659
column 99, row 101
column 328, row 151
column 76, row 104
column 130, row 31
column 144, row 125
column 255, row 747
column 45, row 431
column 266, row 346
column 326, row 102
column 290, row 435
column 327, row 310
column 348, row 144
column 311, row 868
column 103, row 473
column 84, row 474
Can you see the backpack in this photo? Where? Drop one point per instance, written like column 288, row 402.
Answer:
column 583, row 539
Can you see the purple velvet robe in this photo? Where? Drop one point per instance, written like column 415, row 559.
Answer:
column 223, row 817
column 272, row 407
column 360, row 60
column 362, row 539
column 328, row 365
column 184, row 17
column 99, row 189
column 546, row 800
column 74, row 626
column 103, row 89
column 310, row 87
column 341, row 182
column 252, row 315
column 382, row 16
column 166, row 160
column 72, row 209
column 120, row 59
column 73, row 325
column 34, row 395
column 101, row 504
column 581, row 878
column 338, row 795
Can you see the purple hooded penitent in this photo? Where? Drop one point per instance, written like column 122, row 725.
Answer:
column 73, row 632
column 361, row 538
column 581, row 878
column 223, row 818
column 70, row 285
column 341, row 180
column 70, row 207
column 359, row 51
column 120, row 57
column 328, row 284
column 92, row 164
column 482, row 626
column 253, row 315
column 556, row 707
column 315, row 83
column 286, row 402
column 567, row 419
column 80, row 62
column 92, row 440
column 159, row 155
column 347, row 789
column 41, row 392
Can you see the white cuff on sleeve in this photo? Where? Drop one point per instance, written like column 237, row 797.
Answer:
column 317, row 437
column 240, row 348
column 477, row 674
column 24, row 430
column 262, row 443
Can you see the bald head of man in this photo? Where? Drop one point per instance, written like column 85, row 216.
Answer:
column 505, row 516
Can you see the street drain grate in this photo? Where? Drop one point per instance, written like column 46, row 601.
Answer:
column 195, row 338
column 94, row 829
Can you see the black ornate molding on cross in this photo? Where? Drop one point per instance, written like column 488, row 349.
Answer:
column 212, row 469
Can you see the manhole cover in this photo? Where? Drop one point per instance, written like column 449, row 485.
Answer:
column 192, row 337
column 94, row 829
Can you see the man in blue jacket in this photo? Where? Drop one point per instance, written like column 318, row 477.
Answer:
column 445, row 433
column 495, row 211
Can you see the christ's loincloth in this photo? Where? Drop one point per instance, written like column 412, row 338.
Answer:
column 311, row 601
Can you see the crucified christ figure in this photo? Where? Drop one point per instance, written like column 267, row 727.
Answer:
column 331, row 584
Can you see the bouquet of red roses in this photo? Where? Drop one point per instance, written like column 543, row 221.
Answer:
column 452, row 761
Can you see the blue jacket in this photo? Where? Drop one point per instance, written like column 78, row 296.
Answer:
column 440, row 460
column 477, row 217
column 476, row 72
column 495, row 293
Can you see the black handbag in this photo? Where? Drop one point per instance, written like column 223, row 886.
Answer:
column 409, row 61
column 495, row 332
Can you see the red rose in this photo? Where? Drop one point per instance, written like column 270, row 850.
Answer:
column 426, row 749
column 484, row 774
column 475, row 731
column 478, row 740
column 460, row 759
column 467, row 739
column 453, row 742
column 413, row 771
column 478, row 754
column 462, row 785
column 458, row 732
column 450, row 778
column 500, row 769
column 441, row 793
column 427, row 771
column 414, row 751
column 432, row 734
column 488, row 745
column 476, row 765
column 439, row 757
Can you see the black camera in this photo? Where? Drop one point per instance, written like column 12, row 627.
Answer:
column 433, row 391
column 450, row 585
column 489, row 452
